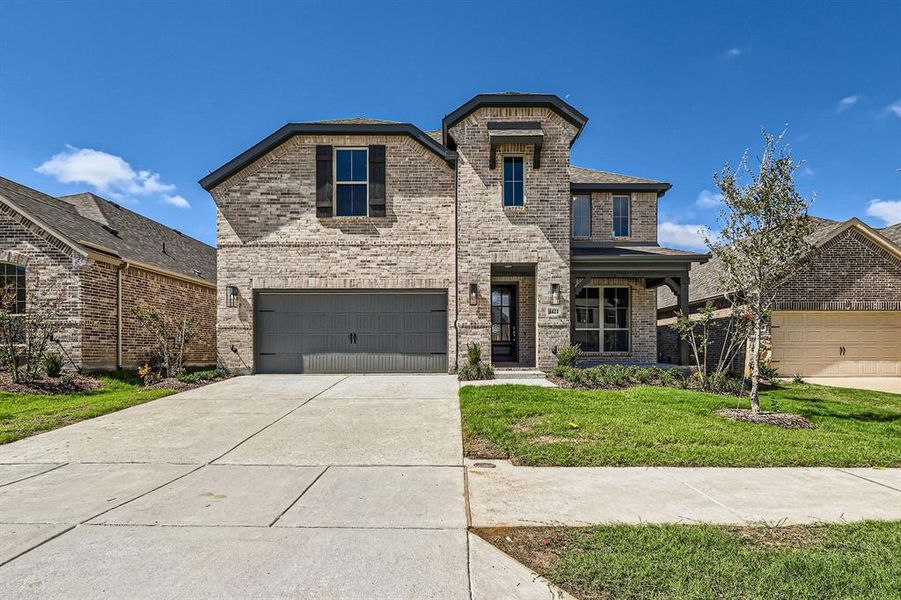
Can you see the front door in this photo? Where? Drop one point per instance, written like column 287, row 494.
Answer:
column 503, row 323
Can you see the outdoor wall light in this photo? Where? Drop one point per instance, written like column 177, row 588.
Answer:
column 231, row 296
column 473, row 294
column 555, row 293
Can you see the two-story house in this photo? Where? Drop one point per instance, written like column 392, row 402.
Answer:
column 372, row 246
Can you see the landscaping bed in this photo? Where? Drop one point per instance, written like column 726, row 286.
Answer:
column 662, row 426
column 857, row 560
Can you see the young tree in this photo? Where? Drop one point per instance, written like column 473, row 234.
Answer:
column 763, row 237
column 171, row 334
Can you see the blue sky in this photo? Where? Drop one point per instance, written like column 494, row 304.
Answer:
column 138, row 100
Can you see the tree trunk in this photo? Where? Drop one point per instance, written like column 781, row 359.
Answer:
column 755, row 367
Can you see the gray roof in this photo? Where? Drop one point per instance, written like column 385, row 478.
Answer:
column 583, row 175
column 892, row 232
column 636, row 250
column 92, row 221
column 704, row 280
column 353, row 121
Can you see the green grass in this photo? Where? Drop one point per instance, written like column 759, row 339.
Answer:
column 644, row 425
column 859, row 560
column 22, row 415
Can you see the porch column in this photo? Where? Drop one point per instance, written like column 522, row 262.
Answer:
column 683, row 307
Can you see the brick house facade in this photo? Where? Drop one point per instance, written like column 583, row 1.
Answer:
column 475, row 218
column 103, row 261
column 839, row 314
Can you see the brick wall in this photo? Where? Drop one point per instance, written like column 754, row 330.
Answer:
column 537, row 233
column 851, row 273
column 51, row 271
column 643, row 221
column 174, row 298
column 270, row 238
column 99, row 324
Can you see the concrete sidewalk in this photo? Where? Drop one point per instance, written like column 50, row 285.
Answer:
column 508, row 495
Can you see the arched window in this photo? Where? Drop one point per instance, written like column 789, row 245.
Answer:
column 12, row 288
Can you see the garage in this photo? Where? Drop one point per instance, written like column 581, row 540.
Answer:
column 837, row 344
column 350, row 331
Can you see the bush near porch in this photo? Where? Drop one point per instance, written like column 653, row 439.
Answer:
column 644, row 425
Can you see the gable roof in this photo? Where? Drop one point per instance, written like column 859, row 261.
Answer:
column 88, row 223
column 594, row 180
column 550, row 101
column 355, row 126
column 704, row 280
column 892, row 232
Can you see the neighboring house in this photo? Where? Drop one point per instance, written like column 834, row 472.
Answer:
column 104, row 261
column 369, row 246
column 840, row 315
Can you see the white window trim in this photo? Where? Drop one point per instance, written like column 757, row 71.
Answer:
column 336, row 182
column 628, row 216
column 522, row 157
column 601, row 328
column 572, row 211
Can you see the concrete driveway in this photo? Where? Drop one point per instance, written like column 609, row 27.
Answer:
column 265, row 486
column 874, row 384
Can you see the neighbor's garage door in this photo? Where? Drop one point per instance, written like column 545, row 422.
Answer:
column 350, row 332
column 836, row 344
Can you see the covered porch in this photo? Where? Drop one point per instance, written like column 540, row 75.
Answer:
column 614, row 298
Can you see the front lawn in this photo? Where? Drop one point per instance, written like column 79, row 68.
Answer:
column 645, row 425
column 859, row 560
column 22, row 415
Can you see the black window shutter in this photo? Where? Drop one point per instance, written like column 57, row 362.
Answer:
column 323, row 181
column 376, row 181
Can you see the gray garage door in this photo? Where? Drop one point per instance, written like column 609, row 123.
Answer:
column 351, row 332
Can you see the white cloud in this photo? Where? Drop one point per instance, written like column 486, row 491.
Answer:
column 733, row 52
column 683, row 235
column 177, row 200
column 108, row 173
column 846, row 103
column 807, row 172
column 709, row 199
column 893, row 108
column 887, row 210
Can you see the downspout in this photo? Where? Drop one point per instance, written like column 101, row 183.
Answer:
column 119, row 271
column 456, row 262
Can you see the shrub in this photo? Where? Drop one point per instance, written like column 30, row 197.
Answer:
column 797, row 379
column 53, row 364
column 205, row 375
column 769, row 374
column 470, row 372
column 568, row 355
column 474, row 369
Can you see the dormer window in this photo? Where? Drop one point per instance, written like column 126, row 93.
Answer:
column 351, row 182
column 621, row 215
column 513, row 181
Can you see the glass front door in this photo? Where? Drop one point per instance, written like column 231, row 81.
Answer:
column 503, row 323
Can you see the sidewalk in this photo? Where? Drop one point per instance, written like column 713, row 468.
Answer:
column 508, row 495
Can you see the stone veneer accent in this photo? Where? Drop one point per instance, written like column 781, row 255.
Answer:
column 535, row 234
column 643, row 322
column 270, row 238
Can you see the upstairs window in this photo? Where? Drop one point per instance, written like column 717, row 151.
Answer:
column 581, row 217
column 351, row 182
column 513, row 191
column 621, row 216
column 12, row 288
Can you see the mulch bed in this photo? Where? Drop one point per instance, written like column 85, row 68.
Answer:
column 783, row 420
column 70, row 383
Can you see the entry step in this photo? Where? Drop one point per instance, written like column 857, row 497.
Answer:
column 522, row 373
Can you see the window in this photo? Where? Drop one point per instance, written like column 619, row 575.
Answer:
column 513, row 192
column 621, row 209
column 12, row 288
column 602, row 327
column 351, row 182
column 581, row 216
